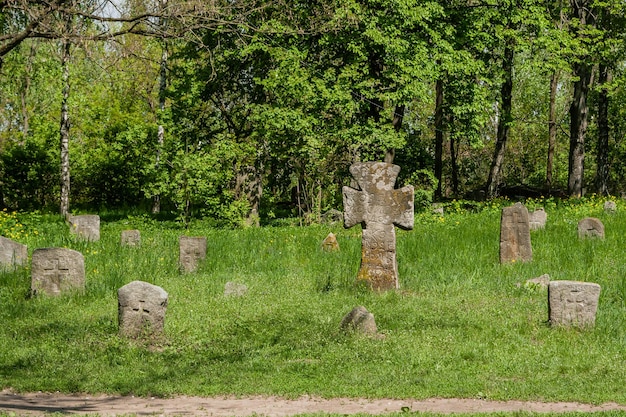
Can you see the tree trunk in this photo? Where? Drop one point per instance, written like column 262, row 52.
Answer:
column 439, row 137
column 454, row 148
column 65, row 130
column 554, row 80
column 156, row 199
column 504, row 120
column 28, row 70
column 602, row 158
column 579, row 109
column 578, row 127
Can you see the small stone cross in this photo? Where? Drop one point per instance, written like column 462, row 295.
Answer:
column 378, row 207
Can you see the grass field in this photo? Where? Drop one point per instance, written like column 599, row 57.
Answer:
column 460, row 326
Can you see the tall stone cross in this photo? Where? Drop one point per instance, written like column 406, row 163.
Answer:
column 378, row 207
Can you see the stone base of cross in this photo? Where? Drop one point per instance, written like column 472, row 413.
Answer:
column 378, row 207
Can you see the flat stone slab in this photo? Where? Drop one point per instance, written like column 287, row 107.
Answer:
column 85, row 226
column 12, row 253
column 192, row 251
column 573, row 303
column 141, row 309
column 235, row 289
column 57, row 270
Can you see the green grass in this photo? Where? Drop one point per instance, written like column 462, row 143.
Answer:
column 460, row 326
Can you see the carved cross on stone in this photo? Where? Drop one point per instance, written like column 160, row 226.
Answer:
column 378, row 207
column 55, row 272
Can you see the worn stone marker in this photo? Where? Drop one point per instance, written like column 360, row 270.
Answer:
column 590, row 227
column 141, row 309
column 192, row 251
column 378, row 207
column 359, row 320
column 85, row 226
column 130, row 238
column 537, row 219
column 330, row 244
column 515, row 234
column 57, row 270
column 235, row 289
column 12, row 253
column 610, row 206
column 573, row 303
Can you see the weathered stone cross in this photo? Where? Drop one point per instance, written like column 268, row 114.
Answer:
column 378, row 207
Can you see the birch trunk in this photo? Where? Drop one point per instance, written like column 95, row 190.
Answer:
column 65, row 130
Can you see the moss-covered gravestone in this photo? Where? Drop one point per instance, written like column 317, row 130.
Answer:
column 378, row 207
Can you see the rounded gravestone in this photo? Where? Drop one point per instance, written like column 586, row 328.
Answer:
column 141, row 309
column 590, row 227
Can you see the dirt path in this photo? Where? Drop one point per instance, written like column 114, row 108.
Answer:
column 38, row 404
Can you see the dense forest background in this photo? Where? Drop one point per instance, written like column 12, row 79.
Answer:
column 238, row 109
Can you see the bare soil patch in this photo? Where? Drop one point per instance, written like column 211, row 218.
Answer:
column 38, row 404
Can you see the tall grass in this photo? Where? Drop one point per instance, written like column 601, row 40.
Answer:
column 462, row 325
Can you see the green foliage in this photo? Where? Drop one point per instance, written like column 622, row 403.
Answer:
column 462, row 325
column 425, row 184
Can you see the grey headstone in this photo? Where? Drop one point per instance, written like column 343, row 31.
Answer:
column 330, row 244
column 85, row 226
column 12, row 253
column 192, row 251
column 515, row 235
column 537, row 219
column 57, row 270
column 141, row 309
column 234, row 289
column 130, row 238
column 573, row 303
column 360, row 320
column 377, row 206
column 437, row 210
column 590, row 227
column 610, row 206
